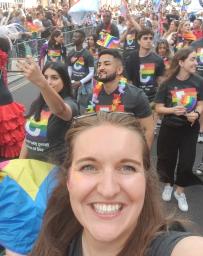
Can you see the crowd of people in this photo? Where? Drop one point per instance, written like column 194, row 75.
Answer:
column 96, row 116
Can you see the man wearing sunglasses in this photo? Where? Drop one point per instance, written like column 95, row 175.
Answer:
column 144, row 67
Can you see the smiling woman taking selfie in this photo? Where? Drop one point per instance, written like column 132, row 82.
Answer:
column 106, row 202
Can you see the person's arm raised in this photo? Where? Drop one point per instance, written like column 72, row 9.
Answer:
column 54, row 101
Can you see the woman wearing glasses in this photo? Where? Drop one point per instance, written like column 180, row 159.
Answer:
column 180, row 100
column 50, row 114
column 106, row 202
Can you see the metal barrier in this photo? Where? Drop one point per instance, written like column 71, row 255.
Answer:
column 32, row 47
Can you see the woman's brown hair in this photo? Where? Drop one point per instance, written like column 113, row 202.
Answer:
column 174, row 69
column 60, row 226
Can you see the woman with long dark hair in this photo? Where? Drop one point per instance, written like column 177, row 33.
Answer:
column 180, row 101
column 107, row 200
column 50, row 114
column 54, row 50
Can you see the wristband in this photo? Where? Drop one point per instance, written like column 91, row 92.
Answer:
column 195, row 111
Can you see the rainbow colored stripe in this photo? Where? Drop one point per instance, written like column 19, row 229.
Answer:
column 185, row 97
column 80, row 61
column 189, row 36
column 108, row 41
column 147, row 69
column 41, row 125
column 54, row 53
column 32, row 27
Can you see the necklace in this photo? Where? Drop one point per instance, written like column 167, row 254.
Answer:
column 116, row 97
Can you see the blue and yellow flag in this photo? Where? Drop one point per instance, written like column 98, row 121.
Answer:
column 25, row 186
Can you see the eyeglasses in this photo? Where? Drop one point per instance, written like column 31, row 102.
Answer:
column 147, row 37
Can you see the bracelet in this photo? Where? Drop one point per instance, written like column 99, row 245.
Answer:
column 195, row 111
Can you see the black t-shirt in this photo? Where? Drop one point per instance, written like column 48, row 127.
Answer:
column 130, row 43
column 132, row 68
column 112, row 29
column 56, row 53
column 45, row 138
column 80, row 61
column 133, row 100
column 198, row 46
column 151, row 66
column 162, row 245
column 185, row 93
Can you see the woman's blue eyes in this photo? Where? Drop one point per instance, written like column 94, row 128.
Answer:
column 122, row 169
column 88, row 168
column 128, row 168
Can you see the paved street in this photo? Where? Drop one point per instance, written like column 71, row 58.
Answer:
column 25, row 93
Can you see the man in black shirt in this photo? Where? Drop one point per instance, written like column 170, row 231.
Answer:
column 113, row 93
column 144, row 67
column 80, row 68
column 107, row 26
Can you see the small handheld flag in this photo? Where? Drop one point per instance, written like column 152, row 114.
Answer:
column 108, row 41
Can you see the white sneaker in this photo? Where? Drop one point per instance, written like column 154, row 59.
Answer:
column 200, row 137
column 166, row 195
column 182, row 202
column 199, row 170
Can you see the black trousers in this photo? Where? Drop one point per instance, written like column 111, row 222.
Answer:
column 177, row 145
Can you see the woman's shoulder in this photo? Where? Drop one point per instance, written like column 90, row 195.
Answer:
column 73, row 104
column 166, row 242
column 190, row 245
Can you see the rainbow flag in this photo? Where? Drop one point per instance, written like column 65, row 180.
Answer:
column 25, row 186
column 32, row 27
column 108, row 41
column 189, row 36
column 185, row 97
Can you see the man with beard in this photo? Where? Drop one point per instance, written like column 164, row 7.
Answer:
column 112, row 92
